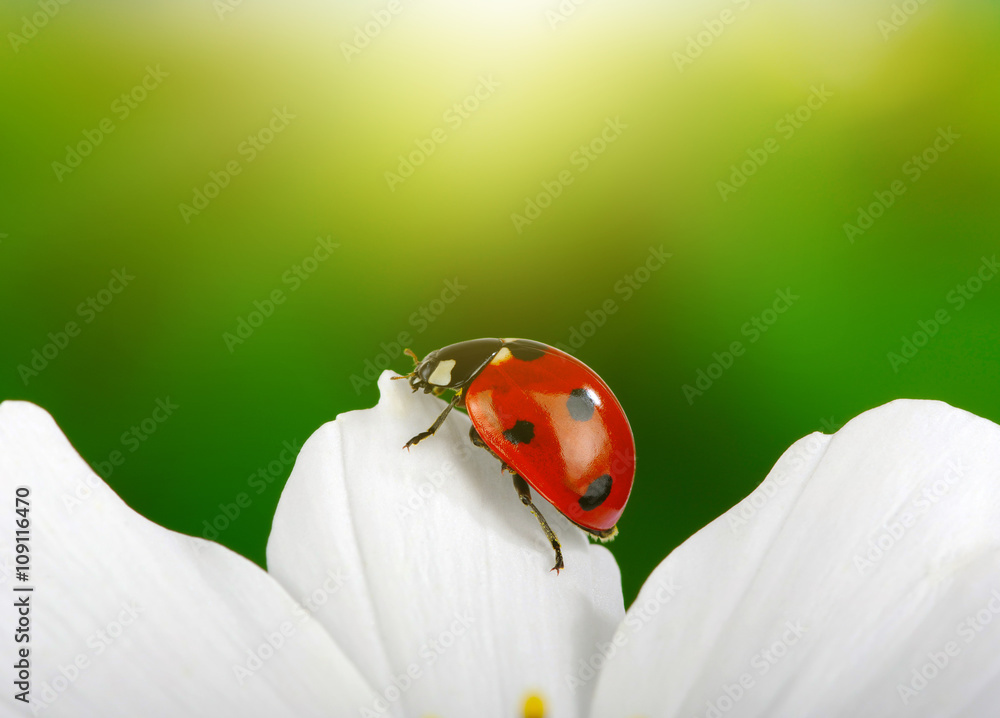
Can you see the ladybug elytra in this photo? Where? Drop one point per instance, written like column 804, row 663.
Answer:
column 549, row 418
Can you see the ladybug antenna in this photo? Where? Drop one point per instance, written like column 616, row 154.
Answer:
column 416, row 362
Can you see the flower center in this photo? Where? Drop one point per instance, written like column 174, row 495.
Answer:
column 534, row 707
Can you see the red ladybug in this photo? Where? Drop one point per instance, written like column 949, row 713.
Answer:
column 552, row 422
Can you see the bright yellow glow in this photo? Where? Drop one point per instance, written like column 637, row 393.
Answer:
column 534, row 707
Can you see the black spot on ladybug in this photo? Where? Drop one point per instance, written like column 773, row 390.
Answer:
column 521, row 433
column 598, row 490
column 580, row 405
column 525, row 350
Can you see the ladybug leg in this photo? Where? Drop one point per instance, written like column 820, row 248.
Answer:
column 525, row 493
column 437, row 423
column 477, row 440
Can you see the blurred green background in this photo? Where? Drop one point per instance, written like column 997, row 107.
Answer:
column 606, row 126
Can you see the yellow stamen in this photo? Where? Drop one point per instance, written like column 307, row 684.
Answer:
column 533, row 707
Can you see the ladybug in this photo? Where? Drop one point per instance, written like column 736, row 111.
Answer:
column 552, row 422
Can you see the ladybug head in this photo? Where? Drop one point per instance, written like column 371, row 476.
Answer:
column 422, row 375
column 453, row 366
column 431, row 373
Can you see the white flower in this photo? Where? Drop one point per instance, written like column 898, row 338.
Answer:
column 861, row 578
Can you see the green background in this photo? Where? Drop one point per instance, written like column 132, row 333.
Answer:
column 690, row 112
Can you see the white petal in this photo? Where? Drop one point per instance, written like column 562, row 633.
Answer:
column 130, row 619
column 777, row 592
column 442, row 563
